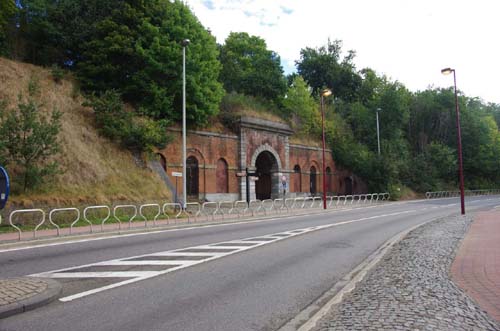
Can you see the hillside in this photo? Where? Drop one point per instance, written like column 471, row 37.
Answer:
column 95, row 170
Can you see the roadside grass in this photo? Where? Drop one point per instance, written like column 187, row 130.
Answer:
column 94, row 170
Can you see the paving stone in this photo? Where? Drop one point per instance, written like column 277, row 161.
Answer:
column 410, row 288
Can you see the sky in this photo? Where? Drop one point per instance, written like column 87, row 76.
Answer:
column 409, row 41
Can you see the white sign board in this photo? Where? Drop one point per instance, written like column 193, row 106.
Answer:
column 176, row 174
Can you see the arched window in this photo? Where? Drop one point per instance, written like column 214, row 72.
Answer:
column 221, row 176
column 297, row 179
column 328, row 179
column 192, row 172
column 312, row 180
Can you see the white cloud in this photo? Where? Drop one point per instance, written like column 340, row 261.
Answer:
column 409, row 41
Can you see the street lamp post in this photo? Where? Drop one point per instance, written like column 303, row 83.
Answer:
column 448, row 71
column 324, row 93
column 184, row 43
column 378, row 133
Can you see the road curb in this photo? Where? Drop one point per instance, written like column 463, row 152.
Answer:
column 307, row 319
column 52, row 291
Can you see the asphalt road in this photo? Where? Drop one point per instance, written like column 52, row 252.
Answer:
column 259, row 287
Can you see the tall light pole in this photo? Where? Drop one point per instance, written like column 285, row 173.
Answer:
column 184, row 44
column 326, row 92
column 378, row 133
column 448, row 71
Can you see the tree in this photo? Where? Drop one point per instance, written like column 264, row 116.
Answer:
column 30, row 139
column 137, row 51
column 7, row 11
column 248, row 67
column 301, row 108
column 55, row 31
column 323, row 67
column 137, row 133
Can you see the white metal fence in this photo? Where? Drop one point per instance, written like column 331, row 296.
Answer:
column 143, row 215
column 453, row 194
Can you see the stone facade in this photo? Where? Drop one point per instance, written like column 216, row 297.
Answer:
column 261, row 147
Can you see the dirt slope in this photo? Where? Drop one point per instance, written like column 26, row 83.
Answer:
column 95, row 169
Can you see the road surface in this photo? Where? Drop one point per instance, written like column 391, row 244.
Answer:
column 251, row 275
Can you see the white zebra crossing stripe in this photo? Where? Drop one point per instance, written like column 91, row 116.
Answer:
column 189, row 256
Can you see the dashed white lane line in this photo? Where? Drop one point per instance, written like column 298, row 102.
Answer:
column 204, row 252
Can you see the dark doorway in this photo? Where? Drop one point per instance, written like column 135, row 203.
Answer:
column 348, row 186
column 192, row 172
column 267, row 166
column 312, row 180
column 297, row 180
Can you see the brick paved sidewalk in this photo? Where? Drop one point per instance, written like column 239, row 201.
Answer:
column 18, row 295
column 476, row 268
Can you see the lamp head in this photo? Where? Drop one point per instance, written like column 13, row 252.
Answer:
column 185, row 42
column 447, row 71
column 326, row 92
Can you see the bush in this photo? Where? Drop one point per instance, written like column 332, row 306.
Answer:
column 29, row 141
column 57, row 73
column 141, row 134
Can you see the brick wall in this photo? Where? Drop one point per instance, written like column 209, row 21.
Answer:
column 241, row 151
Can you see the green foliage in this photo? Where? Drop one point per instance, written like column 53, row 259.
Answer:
column 57, row 73
column 234, row 105
column 7, row 11
column 137, row 51
column 324, row 67
column 134, row 132
column 248, row 67
column 301, row 109
column 30, row 140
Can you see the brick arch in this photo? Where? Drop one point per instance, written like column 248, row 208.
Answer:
column 197, row 154
column 266, row 148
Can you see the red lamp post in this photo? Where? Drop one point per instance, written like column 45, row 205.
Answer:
column 448, row 71
column 325, row 93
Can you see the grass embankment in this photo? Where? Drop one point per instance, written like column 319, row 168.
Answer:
column 94, row 170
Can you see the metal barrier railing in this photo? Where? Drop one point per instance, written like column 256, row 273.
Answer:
column 267, row 206
column 175, row 205
column 53, row 211
column 149, row 205
column 193, row 208
column 240, row 207
column 225, row 208
column 24, row 211
column 116, row 208
column 450, row 194
column 255, row 206
column 88, row 221
column 208, row 209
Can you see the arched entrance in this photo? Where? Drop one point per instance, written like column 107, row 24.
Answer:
column 312, row 180
column 266, row 168
column 348, row 186
column 192, row 177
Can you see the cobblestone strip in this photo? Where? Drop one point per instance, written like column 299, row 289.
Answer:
column 410, row 289
column 20, row 294
column 16, row 289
